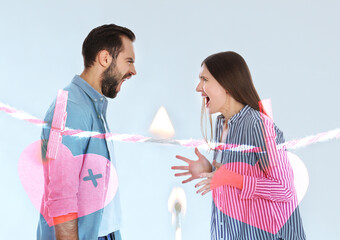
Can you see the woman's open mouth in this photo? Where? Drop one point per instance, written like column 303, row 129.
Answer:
column 207, row 101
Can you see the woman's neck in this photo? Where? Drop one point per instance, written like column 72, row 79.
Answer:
column 233, row 107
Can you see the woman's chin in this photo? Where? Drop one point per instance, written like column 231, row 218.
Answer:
column 210, row 111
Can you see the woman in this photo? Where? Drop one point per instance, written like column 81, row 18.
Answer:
column 251, row 178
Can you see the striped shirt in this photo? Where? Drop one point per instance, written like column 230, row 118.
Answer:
column 267, row 206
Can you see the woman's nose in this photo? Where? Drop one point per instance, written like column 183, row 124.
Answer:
column 199, row 87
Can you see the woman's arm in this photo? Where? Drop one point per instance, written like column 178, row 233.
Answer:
column 277, row 184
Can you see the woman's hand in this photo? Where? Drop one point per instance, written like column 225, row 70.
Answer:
column 220, row 177
column 216, row 164
column 205, row 183
column 194, row 168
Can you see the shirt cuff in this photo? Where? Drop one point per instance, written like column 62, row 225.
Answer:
column 249, row 187
column 61, row 207
column 65, row 218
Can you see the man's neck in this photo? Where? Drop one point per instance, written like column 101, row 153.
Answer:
column 93, row 78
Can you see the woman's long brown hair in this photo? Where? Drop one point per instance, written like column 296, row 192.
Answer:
column 232, row 73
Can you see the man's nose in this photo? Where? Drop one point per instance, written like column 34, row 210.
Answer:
column 133, row 70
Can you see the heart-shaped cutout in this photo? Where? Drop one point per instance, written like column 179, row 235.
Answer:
column 97, row 185
column 266, row 215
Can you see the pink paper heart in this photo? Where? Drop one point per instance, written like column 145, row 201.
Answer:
column 31, row 175
column 267, row 215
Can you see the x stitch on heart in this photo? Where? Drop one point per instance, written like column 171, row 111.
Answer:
column 94, row 192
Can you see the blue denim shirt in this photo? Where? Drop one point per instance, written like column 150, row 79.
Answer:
column 86, row 110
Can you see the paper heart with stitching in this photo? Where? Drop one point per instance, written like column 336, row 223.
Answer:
column 264, row 210
column 97, row 180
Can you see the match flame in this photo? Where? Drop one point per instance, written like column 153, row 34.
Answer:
column 177, row 202
column 161, row 125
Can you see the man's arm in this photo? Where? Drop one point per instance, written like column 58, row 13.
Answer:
column 67, row 230
column 63, row 177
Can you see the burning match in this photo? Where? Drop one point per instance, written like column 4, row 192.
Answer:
column 177, row 205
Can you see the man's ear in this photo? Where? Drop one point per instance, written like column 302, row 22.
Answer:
column 104, row 58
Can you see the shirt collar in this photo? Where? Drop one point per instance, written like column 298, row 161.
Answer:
column 240, row 114
column 98, row 99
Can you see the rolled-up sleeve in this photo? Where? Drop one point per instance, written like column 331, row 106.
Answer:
column 276, row 182
column 62, row 174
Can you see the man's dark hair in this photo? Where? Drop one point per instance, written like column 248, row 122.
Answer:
column 105, row 37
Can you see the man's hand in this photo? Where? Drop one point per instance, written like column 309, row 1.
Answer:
column 194, row 168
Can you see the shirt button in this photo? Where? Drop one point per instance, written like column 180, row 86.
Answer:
column 95, row 99
column 101, row 99
column 108, row 164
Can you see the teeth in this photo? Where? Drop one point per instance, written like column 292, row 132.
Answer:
column 208, row 100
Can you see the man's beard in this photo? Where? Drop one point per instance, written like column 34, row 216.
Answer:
column 110, row 81
column 111, row 78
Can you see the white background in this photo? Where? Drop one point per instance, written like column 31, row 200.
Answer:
column 291, row 47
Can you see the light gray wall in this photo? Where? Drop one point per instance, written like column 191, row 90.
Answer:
column 292, row 49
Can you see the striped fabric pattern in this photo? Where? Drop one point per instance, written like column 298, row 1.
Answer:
column 267, row 206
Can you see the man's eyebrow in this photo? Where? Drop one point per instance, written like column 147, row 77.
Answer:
column 130, row 60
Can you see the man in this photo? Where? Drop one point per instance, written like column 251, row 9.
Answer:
column 109, row 60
